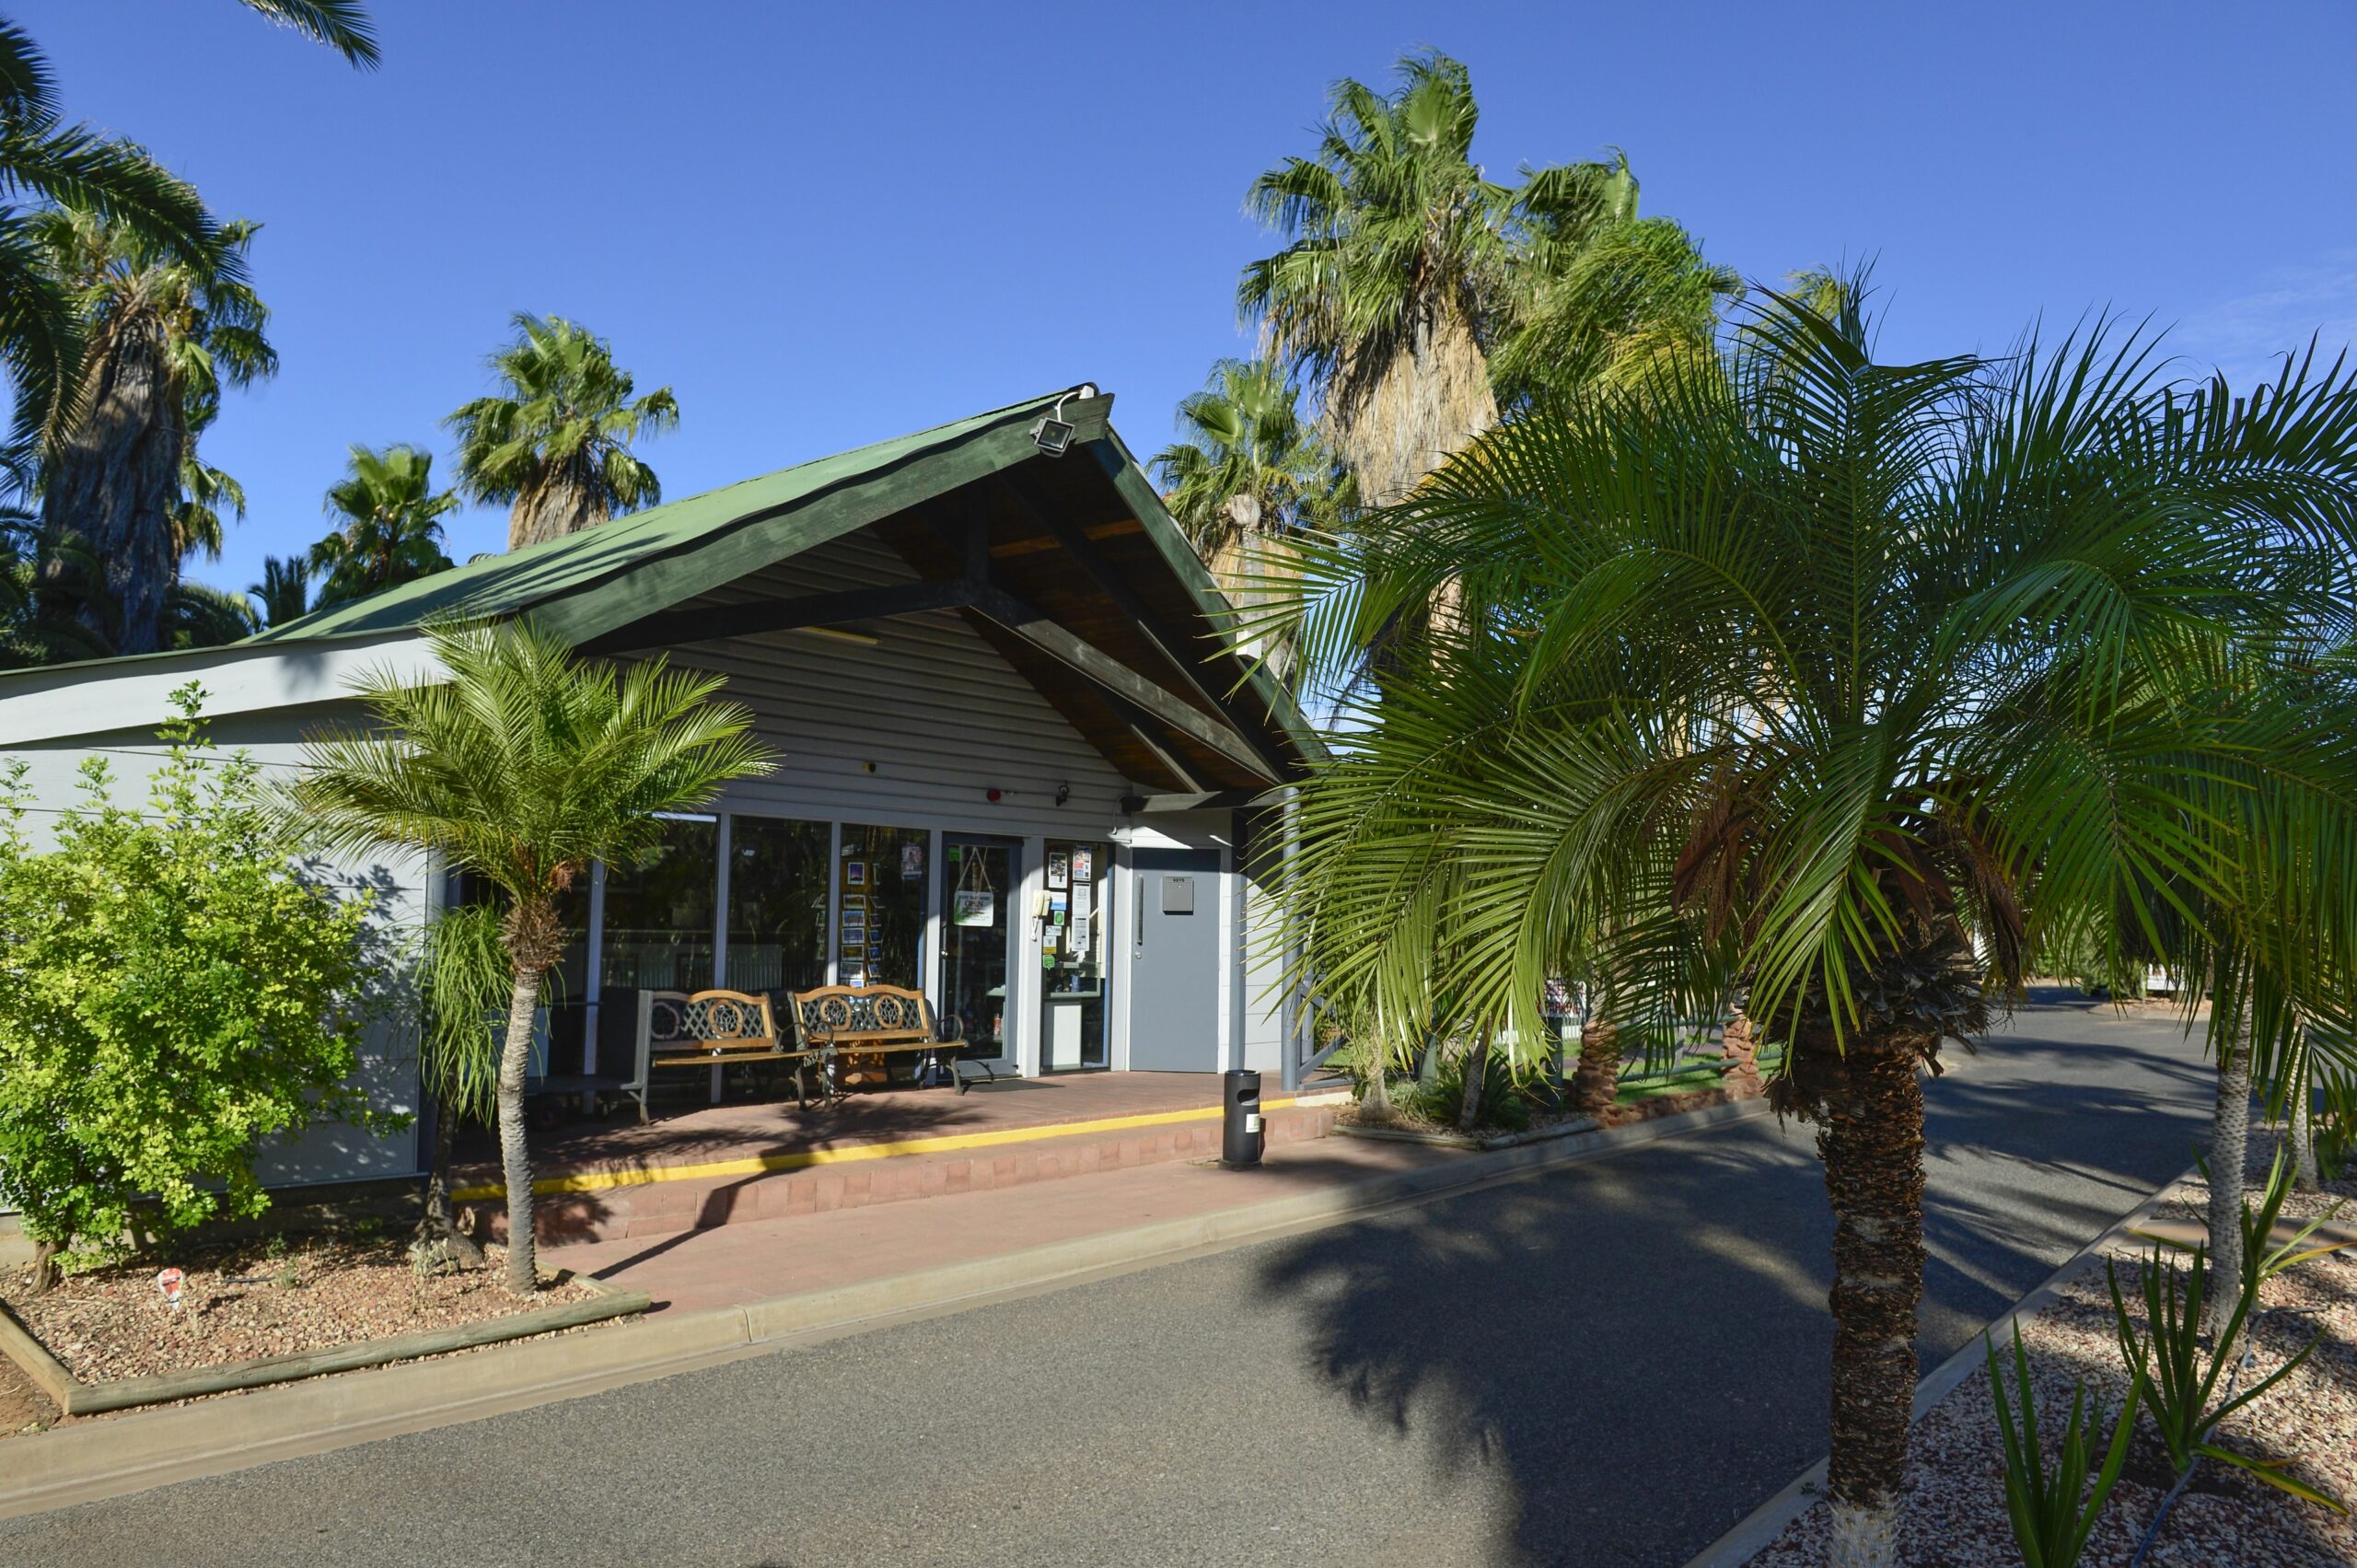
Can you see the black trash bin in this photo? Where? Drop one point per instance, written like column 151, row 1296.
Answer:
column 1245, row 1135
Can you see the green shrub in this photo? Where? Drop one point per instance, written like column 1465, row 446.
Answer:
column 170, row 995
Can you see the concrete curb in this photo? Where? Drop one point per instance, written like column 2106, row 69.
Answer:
column 1765, row 1523
column 106, row 1458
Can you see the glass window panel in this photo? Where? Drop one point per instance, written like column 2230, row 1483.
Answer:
column 659, row 930
column 881, row 881
column 777, row 904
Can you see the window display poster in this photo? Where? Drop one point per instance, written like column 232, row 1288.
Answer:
column 911, row 862
column 972, row 906
column 1079, row 939
column 1084, row 898
column 1057, row 905
column 855, row 874
column 1058, row 869
column 1083, row 860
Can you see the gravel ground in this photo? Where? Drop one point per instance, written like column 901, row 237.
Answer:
column 240, row 1301
column 1955, row 1508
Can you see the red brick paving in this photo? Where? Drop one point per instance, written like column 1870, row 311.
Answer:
column 787, row 1256
column 664, row 1208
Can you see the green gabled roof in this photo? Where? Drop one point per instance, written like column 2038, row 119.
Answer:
column 589, row 582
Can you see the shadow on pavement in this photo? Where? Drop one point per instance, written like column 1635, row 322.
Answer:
column 1637, row 1348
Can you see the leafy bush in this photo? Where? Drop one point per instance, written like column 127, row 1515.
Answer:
column 170, row 994
column 1509, row 1097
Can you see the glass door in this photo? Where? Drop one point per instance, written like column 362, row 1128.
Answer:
column 1073, row 978
column 978, row 883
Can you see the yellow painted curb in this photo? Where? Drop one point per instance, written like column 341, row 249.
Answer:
column 755, row 1164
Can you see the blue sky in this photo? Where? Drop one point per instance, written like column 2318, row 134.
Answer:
column 823, row 225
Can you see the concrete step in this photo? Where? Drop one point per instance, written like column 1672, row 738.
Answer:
column 848, row 1180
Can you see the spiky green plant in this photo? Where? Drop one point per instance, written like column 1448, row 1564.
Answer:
column 2053, row 1510
column 2185, row 1376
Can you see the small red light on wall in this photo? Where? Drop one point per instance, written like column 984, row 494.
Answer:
column 990, row 795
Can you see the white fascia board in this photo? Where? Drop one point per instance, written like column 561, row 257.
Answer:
column 69, row 701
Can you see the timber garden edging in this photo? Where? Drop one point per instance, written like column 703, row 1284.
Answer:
column 74, row 1397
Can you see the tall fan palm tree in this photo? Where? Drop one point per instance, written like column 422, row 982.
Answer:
column 1859, row 682
column 524, row 766
column 390, row 524
column 555, row 442
column 165, row 333
column 1396, row 258
column 1597, row 290
column 1247, row 475
column 46, row 162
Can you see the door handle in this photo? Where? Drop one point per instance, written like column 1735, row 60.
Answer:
column 1141, row 916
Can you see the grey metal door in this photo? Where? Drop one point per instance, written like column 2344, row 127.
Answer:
column 1174, row 960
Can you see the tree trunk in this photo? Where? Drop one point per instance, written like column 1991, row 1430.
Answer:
column 1477, row 1071
column 1740, row 1048
column 1872, row 1143
column 43, row 1276
column 558, row 507
column 1374, row 1075
column 109, row 485
column 439, row 1240
column 2299, row 1130
column 2229, row 1153
column 514, row 1158
column 1596, row 1084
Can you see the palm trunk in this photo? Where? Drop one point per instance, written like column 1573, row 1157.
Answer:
column 1374, row 1070
column 1872, row 1143
column 1596, row 1085
column 514, row 1158
column 1740, row 1047
column 108, row 488
column 2300, row 1131
column 2229, row 1153
column 438, row 1238
column 1477, row 1071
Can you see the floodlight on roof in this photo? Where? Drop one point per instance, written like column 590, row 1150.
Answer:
column 1051, row 434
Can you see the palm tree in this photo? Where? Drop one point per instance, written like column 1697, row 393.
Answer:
column 391, row 528
column 45, row 162
column 555, row 442
column 1861, row 683
column 165, row 333
column 1599, row 290
column 1247, row 475
column 524, row 767
column 284, row 591
column 1397, row 256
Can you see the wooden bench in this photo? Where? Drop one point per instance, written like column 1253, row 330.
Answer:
column 839, row 1021
column 713, row 1028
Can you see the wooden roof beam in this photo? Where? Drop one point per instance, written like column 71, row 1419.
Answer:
column 1268, row 761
